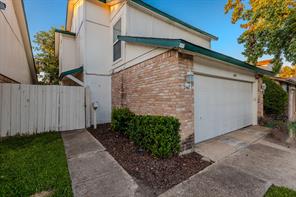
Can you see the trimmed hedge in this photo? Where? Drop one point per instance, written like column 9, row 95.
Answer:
column 275, row 98
column 156, row 134
column 121, row 117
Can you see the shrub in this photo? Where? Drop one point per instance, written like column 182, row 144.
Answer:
column 270, row 122
column 157, row 134
column 292, row 129
column 275, row 98
column 121, row 118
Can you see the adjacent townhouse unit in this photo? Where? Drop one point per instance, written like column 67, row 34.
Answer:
column 16, row 57
column 265, row 64
column 289, row 85
column 133, row 55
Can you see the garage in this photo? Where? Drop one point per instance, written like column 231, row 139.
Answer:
column 225, row 98
column 222, row 105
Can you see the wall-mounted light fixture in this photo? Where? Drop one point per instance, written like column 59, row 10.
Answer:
column 263, row 87
column 2, row 6
column 189, row 80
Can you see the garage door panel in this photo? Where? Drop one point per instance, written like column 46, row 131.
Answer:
column 221, row 106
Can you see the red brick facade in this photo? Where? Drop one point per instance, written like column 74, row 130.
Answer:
column 260, row 99
column 156, row 87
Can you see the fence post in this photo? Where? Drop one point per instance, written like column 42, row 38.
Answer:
column 87, row 107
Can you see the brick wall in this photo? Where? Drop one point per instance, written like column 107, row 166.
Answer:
column 4, row 79
column 156, row 87
column 260, row 99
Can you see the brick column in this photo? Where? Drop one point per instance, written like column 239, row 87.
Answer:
column 185, row 107
column 260, row 99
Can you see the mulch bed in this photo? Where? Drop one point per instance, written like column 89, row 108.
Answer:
column 156, row 174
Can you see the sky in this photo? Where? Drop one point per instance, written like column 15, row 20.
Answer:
column 207, row 15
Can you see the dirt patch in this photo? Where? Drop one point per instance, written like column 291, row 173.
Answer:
column 281, row 137
column 279, row 131
column 154, row 174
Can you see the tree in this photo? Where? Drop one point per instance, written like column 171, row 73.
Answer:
column 288, row 72
column 46, row 61
column 270, row 29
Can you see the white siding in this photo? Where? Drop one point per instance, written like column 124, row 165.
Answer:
column 78, row 16
column 98, row 49
column 137, row 22
column 141, row 23
column 67, row 57
column 98, row 41
column 136, row 53
column 100, row 88
column 210, row 67
column 98, row 58
column 14, row 63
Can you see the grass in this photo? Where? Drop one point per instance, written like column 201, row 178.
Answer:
column 33, row 164
column 275, row 191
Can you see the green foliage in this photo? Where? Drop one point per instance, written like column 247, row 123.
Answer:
column 33, row 164
column 157, row 134
column 270, row 29
column 121, row 118
column 275, row 98
column 46, row 61
column 292, row 128
column 275, row 191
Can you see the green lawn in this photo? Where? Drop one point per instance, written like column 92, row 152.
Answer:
column 275, row 191
column 33, row 164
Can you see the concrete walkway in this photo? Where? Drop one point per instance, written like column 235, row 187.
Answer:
column 249, row 170
column 93, row 171
column 225, row 145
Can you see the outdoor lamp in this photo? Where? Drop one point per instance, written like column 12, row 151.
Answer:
column 2, row 6
column 263, row 87
column 189, row 80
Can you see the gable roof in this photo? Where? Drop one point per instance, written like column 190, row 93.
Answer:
column 172, row 18
column 151, row 8
column 187, row 46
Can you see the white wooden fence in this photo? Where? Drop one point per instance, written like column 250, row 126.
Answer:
column 28, row 109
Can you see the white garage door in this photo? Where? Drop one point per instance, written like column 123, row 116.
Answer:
column 221, row 106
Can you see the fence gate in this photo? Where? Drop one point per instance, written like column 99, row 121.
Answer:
column 28, row 109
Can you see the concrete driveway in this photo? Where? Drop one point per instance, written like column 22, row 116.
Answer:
column 247, row 164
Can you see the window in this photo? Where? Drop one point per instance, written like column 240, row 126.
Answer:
column 116, row 42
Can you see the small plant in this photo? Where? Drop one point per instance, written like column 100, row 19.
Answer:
column 121, row 118
column 292, row 129
column 274, row 124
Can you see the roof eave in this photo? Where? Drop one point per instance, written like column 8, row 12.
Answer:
column 22, row 21
column 65, row 32
column 212, row 54
column 187, row 46
column 71, row 72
